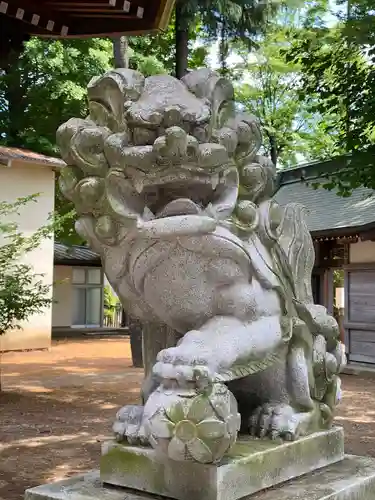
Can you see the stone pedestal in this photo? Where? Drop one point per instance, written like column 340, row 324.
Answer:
column 350, row 479
column 253, row 465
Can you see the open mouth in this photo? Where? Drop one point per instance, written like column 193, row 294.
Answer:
column 199, row 190
column 178, row 173
column 167, row 193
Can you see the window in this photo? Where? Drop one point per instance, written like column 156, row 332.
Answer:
column 87, row 297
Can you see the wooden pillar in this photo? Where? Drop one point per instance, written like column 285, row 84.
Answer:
column 156, row 336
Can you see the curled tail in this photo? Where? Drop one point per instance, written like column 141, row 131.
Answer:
column 296, row 242
column 326, row 355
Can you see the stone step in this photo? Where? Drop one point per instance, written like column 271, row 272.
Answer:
column 253, row 465
column 350, row 479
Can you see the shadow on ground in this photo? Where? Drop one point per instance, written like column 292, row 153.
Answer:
column 58, row 406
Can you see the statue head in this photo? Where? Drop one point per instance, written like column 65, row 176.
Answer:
column 157, row 142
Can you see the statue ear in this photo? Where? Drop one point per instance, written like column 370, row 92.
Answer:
column 108, row 93
column 217, row 91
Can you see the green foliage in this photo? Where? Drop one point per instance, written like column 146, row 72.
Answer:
column 111, row 303
column 22, row 291
column 51, row 80
column 223, row 20
column 46, row 85
column 162, row 49
column 291, row 127
column 338, row 80
column 65, row 232
column 235, row 19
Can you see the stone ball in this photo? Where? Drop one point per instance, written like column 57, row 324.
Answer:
column 187, row 425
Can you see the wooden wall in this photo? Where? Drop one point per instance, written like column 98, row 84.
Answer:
column 360, row 312
column 357, row 259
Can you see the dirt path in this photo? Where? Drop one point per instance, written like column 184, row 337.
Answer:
column 58, row 406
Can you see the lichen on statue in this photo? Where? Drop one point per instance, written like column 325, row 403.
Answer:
column 172, row 193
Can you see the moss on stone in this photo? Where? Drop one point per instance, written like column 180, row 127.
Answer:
column 125, row 461
column 249, row 446
column 251, row 465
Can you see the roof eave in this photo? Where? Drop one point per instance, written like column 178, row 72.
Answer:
column 77, row 262
column 107, row 20
column 310, row 171
column 343, row 232
column 164, row 15
column 53, row 165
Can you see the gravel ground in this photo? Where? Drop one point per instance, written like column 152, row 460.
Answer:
column 57, row 406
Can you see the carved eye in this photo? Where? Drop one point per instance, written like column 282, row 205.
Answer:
column 143, row 136
column 201, row 133
column 224, row 112
column 247, row 211
column 186, row 126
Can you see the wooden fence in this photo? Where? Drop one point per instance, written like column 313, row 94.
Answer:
column 114, row 320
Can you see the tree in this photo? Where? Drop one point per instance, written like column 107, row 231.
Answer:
column 44, row 85
column 338, row 78
column 228, row 19
column 111, row 304
column 121, row 52
column 157, row 53
column 22, row 291
column 291, row 129
column 51, row 80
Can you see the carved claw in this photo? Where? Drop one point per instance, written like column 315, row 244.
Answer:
column 199, row 376
column 186, row 366
column 128, row 426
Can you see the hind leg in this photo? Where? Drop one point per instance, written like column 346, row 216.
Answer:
column 276, row 402
column 293, row 412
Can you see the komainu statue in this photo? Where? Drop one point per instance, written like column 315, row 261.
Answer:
column 172, row 192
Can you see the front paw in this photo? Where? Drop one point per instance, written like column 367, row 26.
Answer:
column 128, row 425
column 275, row 421
column 185, row 366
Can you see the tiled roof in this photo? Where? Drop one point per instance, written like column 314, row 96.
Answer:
column 64, row 254
column 326, row 210
column 7, row 154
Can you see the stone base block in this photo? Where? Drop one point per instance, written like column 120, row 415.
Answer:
column 351, row 479
column 252, row 465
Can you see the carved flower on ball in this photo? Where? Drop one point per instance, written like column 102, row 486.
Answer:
column 195, row 429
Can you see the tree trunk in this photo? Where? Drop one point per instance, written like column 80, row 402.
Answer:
column 273, row 149
column 223, row 49
column 14, row 95
column 135, row 333
column 121, row 52
column 181, row 41
column 11, row 39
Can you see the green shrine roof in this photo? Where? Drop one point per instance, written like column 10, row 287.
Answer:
column 75, row 255
column 328, row 213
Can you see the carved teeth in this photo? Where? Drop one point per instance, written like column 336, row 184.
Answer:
column 215, row 181
column 138, row 185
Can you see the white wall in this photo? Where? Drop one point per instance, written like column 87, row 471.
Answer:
column 62, row 308
column 20, row 180
column 362, row 252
